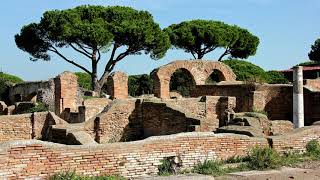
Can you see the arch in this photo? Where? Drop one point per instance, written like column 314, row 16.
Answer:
column 216, row 76
column 200, row 70
column 182, row 81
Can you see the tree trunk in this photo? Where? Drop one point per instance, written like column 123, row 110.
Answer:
column 200, row 55
column 94, row 79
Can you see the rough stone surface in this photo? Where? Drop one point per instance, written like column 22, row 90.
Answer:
column 199, row 69
column 42, row 91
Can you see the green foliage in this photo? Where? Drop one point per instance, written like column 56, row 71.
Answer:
column 308, row 63
column 203, row 36
column 7, row 80
column 140, row 84
column 73, row 176
column 263, row 158
column 210, row 168
column 39, row 107
column 165, row 168
column 246, row 71
column 182, row 81
column 10, row 78
column 314, row 54
column 275, row 77
column 91, row 31
column 84, row 80
column 313, row 149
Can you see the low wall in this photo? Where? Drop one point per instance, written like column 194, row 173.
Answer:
column 36, row 159
column 24, row 126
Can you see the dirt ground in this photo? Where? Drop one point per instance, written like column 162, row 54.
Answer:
column 303, row 171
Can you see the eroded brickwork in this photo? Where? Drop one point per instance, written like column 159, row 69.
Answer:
column 24, row 126
column 200, row 71
column 117, row 85
column 66, row 92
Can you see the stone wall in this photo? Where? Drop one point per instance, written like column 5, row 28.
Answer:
column 24, row 126
column 42, row 91
column 280, row 127
column 117, row 85
column 36, row 159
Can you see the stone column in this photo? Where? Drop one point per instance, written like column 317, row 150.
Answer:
column 298, row 105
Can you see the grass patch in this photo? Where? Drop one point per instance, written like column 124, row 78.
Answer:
column 263, row 158
column 39, row 107
column 74, row 176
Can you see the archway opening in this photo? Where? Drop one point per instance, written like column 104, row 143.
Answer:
column 215, row 77
column 182, row 81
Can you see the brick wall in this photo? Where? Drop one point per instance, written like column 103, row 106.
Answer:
column 25, row 126
column 121, row 122
column 296, row 140
column 279, row 127
column 241, row 92
column 66, row 92
column 36, row 159
column 117, row 85
column 276, row 100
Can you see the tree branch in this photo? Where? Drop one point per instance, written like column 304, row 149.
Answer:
column 193, row 54
column 69, row 61
column 82, row 52
column 83, row 48
column 224, row 53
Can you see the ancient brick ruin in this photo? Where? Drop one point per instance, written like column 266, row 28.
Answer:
column 216, row 122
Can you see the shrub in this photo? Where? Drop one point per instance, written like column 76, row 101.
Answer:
column 313, row 149
column 39, row 107
column 165, row 168
column 84, row 80
column 263, row 158
column 275, row 77
column 214, row 168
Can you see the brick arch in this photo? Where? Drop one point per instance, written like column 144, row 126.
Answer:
column 199, row 69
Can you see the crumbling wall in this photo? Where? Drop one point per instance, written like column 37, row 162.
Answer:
column 200, row 71
column 66, row 93
column 42, row 91
column 24, row 126
column 117, row 85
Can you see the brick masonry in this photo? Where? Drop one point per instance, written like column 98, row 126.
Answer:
column 24, row 127
column 200, row 71
column 276, row 100
column 117, row 85
column 66, row 92
column 37, row 159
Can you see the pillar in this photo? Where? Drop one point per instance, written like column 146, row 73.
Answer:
column 298, row 105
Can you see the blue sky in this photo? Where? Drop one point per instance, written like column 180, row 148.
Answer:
column 286, row 29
